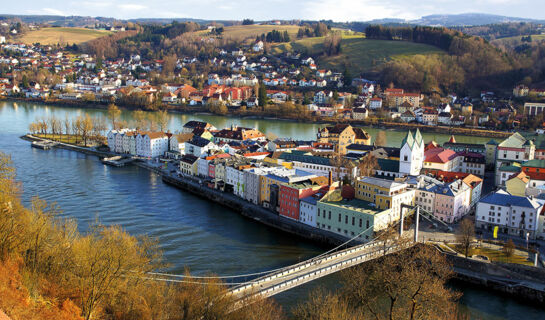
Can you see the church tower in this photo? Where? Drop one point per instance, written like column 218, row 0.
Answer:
column 411, row 155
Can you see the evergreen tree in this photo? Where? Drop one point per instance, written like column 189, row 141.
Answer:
column 262, row 96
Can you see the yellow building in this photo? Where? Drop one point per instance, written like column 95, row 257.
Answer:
column 385, row 194
column 285, row 164
column 188, row 164
column 517, row 185
column 343, row 135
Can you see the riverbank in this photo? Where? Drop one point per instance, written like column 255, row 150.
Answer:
column 369, row 122
column 245, row 208
column 467, row 270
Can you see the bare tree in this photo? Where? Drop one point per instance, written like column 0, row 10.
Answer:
column 465, row 235
column 140, row 118
column 113, row 114
column 67, row 125
column 163, row 119
column 409, row 284
column 368, row 165
column 381, row 139
column 509, row 248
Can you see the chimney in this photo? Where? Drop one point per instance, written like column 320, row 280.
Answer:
column 330, row 180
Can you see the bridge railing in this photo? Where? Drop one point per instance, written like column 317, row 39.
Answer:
column 303, row 265
column 285, row 285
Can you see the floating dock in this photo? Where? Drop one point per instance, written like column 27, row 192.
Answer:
column 117, row 161
column 44, row 145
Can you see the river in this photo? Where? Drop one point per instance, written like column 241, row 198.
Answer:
column 193, row 233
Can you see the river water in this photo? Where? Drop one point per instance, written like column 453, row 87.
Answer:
column 193, row 233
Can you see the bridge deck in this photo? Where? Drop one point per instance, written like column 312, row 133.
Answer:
column 307, row 271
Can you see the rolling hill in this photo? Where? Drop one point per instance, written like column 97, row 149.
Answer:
column 243, row 32
column 64, row 35
column 359, row 54
column 511, row 42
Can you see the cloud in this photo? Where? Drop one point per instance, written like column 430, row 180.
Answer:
column 349, row 10
column 132, row 7
column 52, row 11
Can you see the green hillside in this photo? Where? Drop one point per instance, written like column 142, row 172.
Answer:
column 515, row 41
column 358, row 53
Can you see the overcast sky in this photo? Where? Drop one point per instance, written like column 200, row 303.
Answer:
column 338, row 10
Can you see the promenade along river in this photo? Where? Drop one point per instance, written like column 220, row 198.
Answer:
column 193, row 233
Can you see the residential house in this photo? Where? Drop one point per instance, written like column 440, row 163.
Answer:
column 518, row 184
column 151, row 144
column 188, row 164
column 534, row 108
column 385, row 193
column 360, row 113
column 440, row 159
column 512, row 214
column 375, row 103
column 516, row 148
column 291, row 194
column 343, row 135
column 473, row 163
column 308, row 209
column 199, row 147
column 190, row 126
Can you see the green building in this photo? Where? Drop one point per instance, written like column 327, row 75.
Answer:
column 350, row 217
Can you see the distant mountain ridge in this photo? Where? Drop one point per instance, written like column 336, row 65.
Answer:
column 445, row 20
column 468, row 19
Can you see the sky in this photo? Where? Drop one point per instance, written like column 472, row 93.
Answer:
column 337, row 10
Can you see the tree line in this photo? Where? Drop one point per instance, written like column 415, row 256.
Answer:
column 274, row 36
column 85, row 129
column 435, row 36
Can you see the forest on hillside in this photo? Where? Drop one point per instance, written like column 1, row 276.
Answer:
column 471, row 63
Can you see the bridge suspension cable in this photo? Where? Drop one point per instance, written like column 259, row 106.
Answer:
column 262, row 272
column 190, row 277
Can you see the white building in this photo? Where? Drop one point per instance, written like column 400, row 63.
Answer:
column 202, row 167
column 513, row 215
column 258, row 46
column 411, row 154
column 151, row 144
column 308, row 210
column 115, row 139
column 516, row 148
column 236, row 178
column 198, row 146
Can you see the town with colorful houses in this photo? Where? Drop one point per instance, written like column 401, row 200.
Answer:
column 234, row 78
column 342, row 183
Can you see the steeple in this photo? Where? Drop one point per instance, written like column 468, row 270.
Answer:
column 418, row 137
column 409, row 139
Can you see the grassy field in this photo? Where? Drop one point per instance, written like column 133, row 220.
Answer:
column 494, row 255
column 252, row 31
column 69, row 139
column 515, row 41
column 360, row 54
column 64, row 35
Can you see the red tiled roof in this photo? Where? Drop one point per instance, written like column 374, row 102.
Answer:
column 439, row 155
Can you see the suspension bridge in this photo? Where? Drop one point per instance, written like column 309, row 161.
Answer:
column 271, row 282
